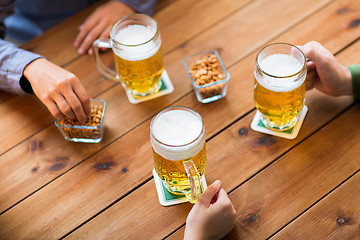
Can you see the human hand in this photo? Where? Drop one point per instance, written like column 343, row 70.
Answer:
column 60, row 91
column 99, row 24
column 325, row 73
column 212, row 216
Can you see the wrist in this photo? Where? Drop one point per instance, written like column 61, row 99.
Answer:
column 33, row 69
column 345, row 86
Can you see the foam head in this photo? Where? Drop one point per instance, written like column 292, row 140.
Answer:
column 177, row 134
column 282, row 66
column 135, row 42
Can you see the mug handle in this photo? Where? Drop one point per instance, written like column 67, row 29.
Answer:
column 194, row 179
column 104, row 70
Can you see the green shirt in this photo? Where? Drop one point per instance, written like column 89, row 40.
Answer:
column 355, row 75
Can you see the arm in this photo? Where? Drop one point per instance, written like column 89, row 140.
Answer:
column 212, row 217
column 99, row 23
column 24, row 72
column 13, row 61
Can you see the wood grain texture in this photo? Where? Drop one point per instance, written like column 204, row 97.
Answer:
column 116, row 120
column 272, row 180
column 337, row 216
column 297, row 180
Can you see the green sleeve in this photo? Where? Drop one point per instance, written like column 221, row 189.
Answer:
column 355, row 75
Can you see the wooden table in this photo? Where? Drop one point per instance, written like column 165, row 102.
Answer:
column 306, row 188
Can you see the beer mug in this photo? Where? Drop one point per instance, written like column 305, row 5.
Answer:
column 136, row 44
column 279, row 91
column 177, row 137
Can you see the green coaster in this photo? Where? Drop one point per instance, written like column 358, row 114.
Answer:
column 165, row 88
column 258, row 125
column 166, row 198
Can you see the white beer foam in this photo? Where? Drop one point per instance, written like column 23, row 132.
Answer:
column 177, row 128
column 136, row 35
column 280, row 65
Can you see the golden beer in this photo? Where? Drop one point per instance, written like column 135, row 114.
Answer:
column 138, row 58
column 279, row 90
column 177, row 136
column 141, row 77
column 136, row 44
column 173, row 173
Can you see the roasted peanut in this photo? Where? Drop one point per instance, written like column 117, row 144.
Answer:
column 93, row 120
column 206, row 71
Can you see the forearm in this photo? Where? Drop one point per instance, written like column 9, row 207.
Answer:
column 13, row 61
column 142, row 6
column 355, row 76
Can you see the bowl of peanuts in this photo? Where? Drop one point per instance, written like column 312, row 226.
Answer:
column 91, row 131
column 208, row 75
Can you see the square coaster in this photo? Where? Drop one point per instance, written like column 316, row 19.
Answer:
column 166, row 88
column 258, row 125
column 166, row 198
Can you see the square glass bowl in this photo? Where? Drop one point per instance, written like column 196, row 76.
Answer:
column 208, row 75
column 82, row 133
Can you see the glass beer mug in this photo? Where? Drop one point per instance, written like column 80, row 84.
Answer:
column 136, row 44
column 177, row 137
column 279, row 91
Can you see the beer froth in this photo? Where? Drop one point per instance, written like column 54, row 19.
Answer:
column 177, row 128
column 280, row 65
column 136, row 40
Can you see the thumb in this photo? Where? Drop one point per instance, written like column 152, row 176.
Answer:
column 209, row 193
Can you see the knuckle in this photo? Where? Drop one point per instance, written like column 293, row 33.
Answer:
column 57, row 114
column 65, row 108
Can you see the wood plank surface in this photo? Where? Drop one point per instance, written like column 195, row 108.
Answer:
column 116, row 121
column 296, row 181
column 250, row 152
column 337, row 215
column 106, row 190
column 319, row 102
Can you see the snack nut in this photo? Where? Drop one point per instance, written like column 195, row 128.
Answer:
column 93, row 120
column 206, row 71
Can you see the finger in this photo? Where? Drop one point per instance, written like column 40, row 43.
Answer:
column 84, row 29
column 82, row 95
column 106, row 32
column 209, row 193
column 64, row 106
column 310, row 80
column 81, row 35
column 104, row 35
column 76, row 106
column 224, row 199
column 310, row 65
column 315, row 52
column 91, row 36
column 54, row 110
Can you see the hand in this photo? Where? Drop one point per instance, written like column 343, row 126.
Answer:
column 60, row 90
column 324, row 72
column 213, row 215
column 99, row 24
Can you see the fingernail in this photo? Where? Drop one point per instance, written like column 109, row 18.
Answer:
column 80, row 51
column 217, row 182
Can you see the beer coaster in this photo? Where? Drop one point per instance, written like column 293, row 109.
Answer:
column 258, row 125
column 166, row 88
column 166, row 198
